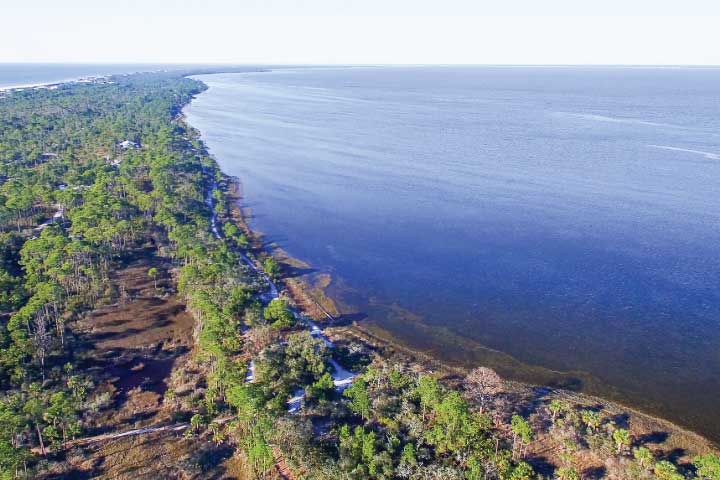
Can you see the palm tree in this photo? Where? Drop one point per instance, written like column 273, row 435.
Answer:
column 567, row 473
column 591, row 418
column 556, row 406
column 153, row 273
column 644, row 456
column 622, row 439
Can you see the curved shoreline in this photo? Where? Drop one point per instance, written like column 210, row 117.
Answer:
column 608, row 396
column 394, row 346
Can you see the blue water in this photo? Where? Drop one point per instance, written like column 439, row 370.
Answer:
column 25, row 74
column 567, row 217
column 29, row 74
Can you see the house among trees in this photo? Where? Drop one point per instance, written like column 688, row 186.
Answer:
column 127, row 145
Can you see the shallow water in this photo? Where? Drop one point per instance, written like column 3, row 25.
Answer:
column 567, row 217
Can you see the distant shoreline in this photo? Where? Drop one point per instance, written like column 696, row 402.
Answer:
column 186, row 71
column 28, row 86
column 57, row 84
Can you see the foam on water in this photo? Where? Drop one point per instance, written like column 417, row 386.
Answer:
column 708, row 155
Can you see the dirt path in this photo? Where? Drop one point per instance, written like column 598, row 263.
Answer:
column 106, row 437
column 282, row 468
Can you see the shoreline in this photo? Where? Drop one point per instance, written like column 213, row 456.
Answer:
column 305, row 297
column 92, row 79
column 393, row 347
column 26, row 86
column 20, row 88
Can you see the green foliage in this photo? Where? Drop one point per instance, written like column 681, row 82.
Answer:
column 567, row 473
column 153, row 274
column 429, row 391
column 454, row 427
column 622, row 439
column 282, row 368
column 233, row 233
column 556, row 407
column 255, row 443
column 113, row 202
column 246, row 400
column 230, row 230
column 271, row 267
column 408, row 456
column 522, row 471
column 12, row 292
column 197, row 421
column 359, row 454
column 521, row 428
column 644, row 456
column 322, row 389
column 305, row 357
column 359, row 398
column 665, row 470
column 591, row 418
column 278, row 314
column 707, row 466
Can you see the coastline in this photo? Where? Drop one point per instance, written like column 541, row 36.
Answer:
column 167, row 337
column 313, row 300
column 19, row 88
column 55, row 84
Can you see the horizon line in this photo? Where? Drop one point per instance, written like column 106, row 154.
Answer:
column 313, row 64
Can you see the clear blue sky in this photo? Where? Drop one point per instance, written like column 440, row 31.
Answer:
column 363, row 31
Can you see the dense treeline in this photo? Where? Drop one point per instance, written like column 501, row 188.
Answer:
column 74, row 201
column 72, row 204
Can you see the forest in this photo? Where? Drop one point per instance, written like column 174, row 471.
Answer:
column 96, row 176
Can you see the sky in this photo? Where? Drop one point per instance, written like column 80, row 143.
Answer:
column 639, row 32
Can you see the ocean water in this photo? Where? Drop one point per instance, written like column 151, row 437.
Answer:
column 561, row 224
column 26, row 74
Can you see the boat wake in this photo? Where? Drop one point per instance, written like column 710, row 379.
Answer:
column 623, row 120
column 708, row 155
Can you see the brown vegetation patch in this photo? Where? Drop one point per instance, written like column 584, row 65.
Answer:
column 143, row 316
column 134, row 346
column 153, row 456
